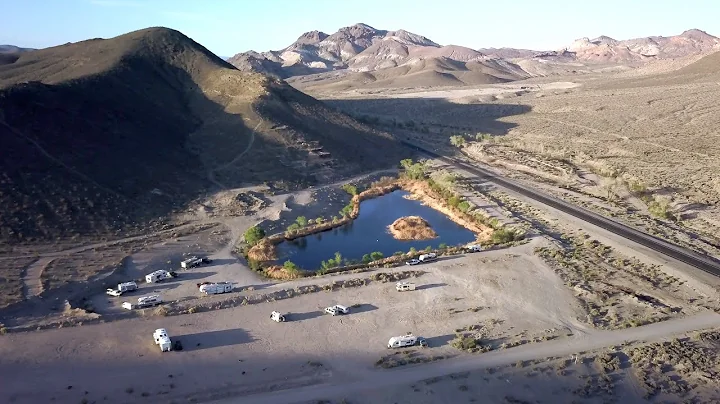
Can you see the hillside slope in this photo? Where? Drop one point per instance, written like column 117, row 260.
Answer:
column 108, row 136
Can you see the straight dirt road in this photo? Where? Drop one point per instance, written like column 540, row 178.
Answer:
column 411, row 374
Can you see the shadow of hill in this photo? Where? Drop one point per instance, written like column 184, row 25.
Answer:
column 433, row 114
column 114, row 153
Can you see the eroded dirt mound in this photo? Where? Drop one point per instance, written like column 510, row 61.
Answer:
column 411, row 228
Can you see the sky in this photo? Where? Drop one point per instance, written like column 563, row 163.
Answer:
column 227, row 27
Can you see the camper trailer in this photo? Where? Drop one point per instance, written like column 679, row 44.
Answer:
column 216, row 288
column 337, row 309
column 159, row 276
column 162, row 339
column 144, row 302
column 193, row 262
column 406, row 340
column 122, row 288
column 404, row 286
column 427, row 257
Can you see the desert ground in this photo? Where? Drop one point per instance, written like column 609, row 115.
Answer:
column 571, row 313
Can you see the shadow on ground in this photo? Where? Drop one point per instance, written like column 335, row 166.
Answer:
column 303, row 316
column 430, row 286
column 214, row 339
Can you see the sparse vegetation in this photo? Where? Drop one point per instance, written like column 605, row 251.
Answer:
column 253, row 235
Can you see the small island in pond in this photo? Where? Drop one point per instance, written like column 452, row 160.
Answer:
column 411, row 228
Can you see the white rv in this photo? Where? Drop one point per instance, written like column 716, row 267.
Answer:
column 473, row 248
column 406, row 340
column 404, row 286
column 216, row 288
column 122, row 288
column 276, row 316
column 158, row 276
column 427, row 257
column 143, row 302
column 162, row 339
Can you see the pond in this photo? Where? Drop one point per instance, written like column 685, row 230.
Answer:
column 368, row 233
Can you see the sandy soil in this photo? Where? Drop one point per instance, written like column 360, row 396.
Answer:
column 221, row 339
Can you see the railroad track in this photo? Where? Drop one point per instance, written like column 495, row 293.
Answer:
column 695, row 259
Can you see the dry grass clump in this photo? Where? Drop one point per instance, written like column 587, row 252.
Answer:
column 401, row 358
column 263, row 251
column 411, row 228
column 281, row 272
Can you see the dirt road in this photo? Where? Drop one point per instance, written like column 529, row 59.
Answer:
column 388, row 378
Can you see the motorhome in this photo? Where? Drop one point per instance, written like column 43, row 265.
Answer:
column 427, row 257
column 122, row 288
column 276, row 316
column 216, row 288
column 158, row 276
column 162, row 339
column 406, row 340
column 473, row 248
column 404, row 286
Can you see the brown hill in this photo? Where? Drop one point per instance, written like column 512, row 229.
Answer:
column 632, row 51
column 11, row 53
column 430, row 72
column 109, row 135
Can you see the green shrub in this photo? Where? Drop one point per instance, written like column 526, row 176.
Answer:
column 301, row 221
column 253, row 235
column 505, row 235
column 464, row 206
column 350, row 189
column 376, row 255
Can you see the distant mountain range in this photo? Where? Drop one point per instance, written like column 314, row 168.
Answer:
column 366, row 52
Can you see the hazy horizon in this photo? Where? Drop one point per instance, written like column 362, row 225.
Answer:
column 228, row 27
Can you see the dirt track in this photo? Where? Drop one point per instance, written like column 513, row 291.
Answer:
column 560, row 348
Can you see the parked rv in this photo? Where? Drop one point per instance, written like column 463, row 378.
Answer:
column 216, row 288
column 473, row 248
column 162, row 339
column 122, row 288
column 276, row 316
column 427, row 257
column 406, row 340
column 159, row 275
column 144, row 302
column 193, row 262
column 404, row 286
column 337, row 309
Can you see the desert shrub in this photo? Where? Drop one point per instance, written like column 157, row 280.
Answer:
column 660, row 208
column 465, row 343
column 464, row 206
column 415, row 171
column 366, row 258
column 346, row 210
column 291, row 268
column 442, row 246
column 293, row 227
column 350, row 189
column 301, row 221
column 457, row 140
column 376, row 255
column 253, row 235
column 505, row 235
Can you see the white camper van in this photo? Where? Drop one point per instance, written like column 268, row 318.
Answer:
column 122, row 288
column 406, row 340
column 162, row 339
column 404, row 286
column 158, row 276
column 276, row 316
column 216, row 288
